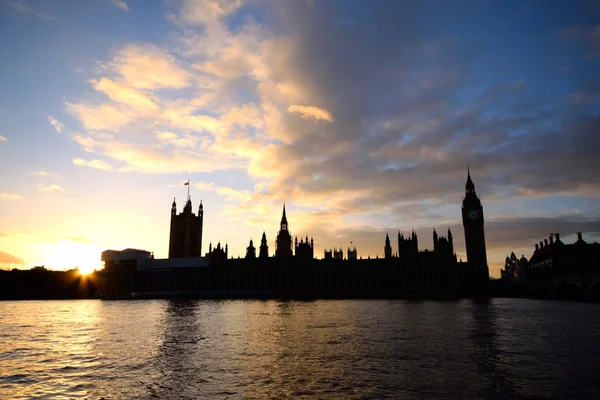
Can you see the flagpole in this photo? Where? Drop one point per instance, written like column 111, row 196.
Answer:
column 188, row 185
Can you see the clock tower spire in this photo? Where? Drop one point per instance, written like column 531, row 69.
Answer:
column 472, row 216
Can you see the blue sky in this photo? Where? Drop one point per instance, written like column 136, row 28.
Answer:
column 360, row 115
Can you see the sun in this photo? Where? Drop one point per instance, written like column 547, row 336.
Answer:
column 86, row 269
column 68, row 254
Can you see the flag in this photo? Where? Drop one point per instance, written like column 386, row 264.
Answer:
column 187, row 183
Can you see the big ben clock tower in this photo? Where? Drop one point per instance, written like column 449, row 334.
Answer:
column 472, row 215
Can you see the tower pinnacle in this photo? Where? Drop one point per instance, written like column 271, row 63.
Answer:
column 470, row 186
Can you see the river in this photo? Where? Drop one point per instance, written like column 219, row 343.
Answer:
column 347, row 349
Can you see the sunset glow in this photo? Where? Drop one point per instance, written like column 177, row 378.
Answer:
column 68, row 255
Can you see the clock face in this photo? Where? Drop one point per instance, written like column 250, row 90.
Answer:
column 473, row 214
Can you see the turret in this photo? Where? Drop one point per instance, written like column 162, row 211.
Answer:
column 173, row 207
column 387, row 250
column 415, row 241
column 250, row 251
column 264, row 248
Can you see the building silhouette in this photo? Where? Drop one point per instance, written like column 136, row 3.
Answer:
column 218, row 255
column 472, row 216
column 304, row 250
column 387, row 248
column 264, row 248
column 293, row 271
column 514, row 269
column 553, row 258
column 185, row 238
column 352, row 255
column 283, row 247
column 250, row 251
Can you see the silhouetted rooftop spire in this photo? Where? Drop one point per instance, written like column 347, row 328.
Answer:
column 469, row 187
column 284, row 223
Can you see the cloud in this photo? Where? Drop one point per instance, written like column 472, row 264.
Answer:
column 187, row 141
column 48, row 188
column 125, row 95
column 121, row 4
column 156, row 159
column 309, row 112
column 228, row 193
column 21, row 8
column 8, row 260
column 589, row 35
column 384, row 149
column 205, row 11
column 589, row 93
column 102, row 117
column 44, row 173
column 3, row 139
column 9, row 196
column 42, row 239
column 98, row 164
column 145, row 66
column 58, row 126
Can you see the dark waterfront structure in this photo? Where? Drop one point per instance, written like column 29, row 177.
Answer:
column 186, row 231
column 472, row 216
column 294, row 272
column 40, row 283
column 514, row 270
column 562, row 270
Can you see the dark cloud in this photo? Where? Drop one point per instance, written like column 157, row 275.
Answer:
column 589, row 93
column 587, row 35
column 404, row 127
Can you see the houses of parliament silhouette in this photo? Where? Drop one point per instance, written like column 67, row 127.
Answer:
column 293, row 270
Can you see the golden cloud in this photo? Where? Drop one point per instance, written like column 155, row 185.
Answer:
column 102, row 117
column 311, row 112
column 98, row 164
column 126, row 95
column 48, row 188
column 145, row 66
column 9, row 196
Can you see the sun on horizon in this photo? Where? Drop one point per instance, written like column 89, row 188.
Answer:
column 66, row 255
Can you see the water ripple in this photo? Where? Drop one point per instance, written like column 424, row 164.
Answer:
column 503, row 349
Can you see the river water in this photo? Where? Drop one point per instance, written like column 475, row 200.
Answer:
column 349, row 349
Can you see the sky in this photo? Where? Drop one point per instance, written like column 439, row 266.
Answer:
column 361, row 116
